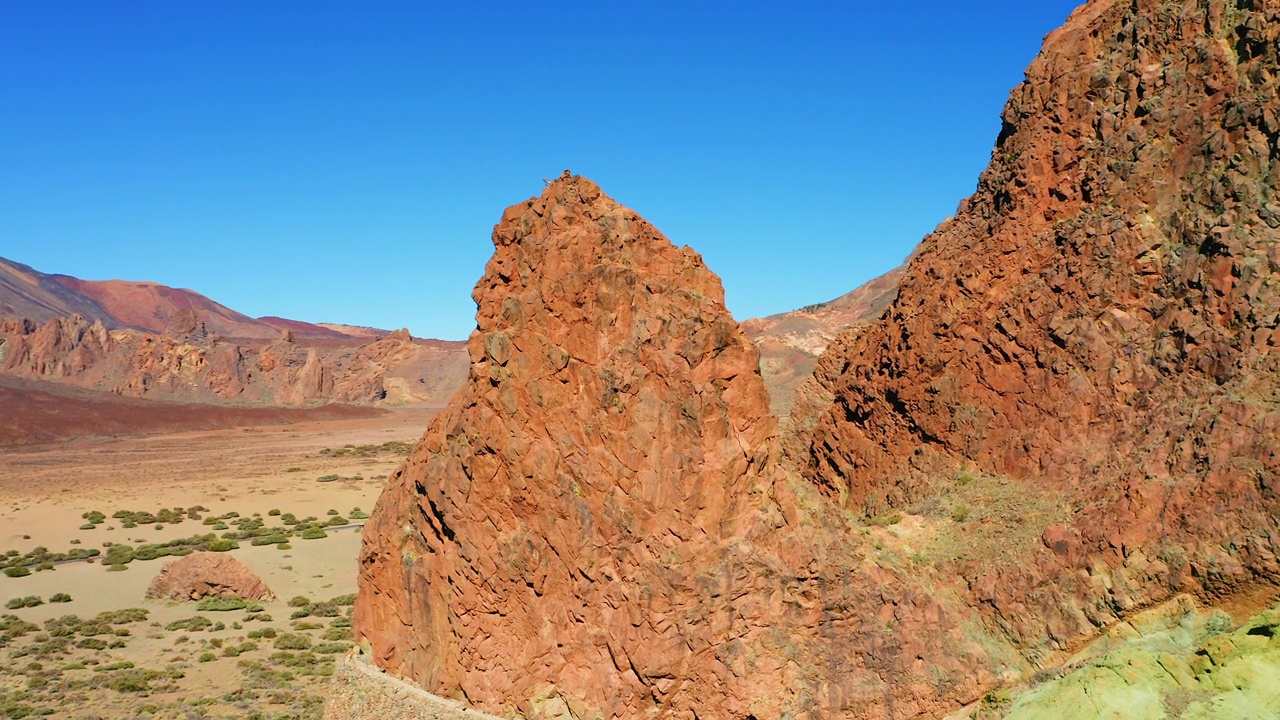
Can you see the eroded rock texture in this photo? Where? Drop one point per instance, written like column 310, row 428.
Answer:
column 188, row 363
column 1098, row 323
column 597, row 524
column 1068, row 413
column 560, row 533
column 205, row 574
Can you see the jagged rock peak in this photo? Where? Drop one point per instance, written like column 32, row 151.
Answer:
column 614, row 435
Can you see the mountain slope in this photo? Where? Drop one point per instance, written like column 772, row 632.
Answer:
column 26, row 293
column 791, row 342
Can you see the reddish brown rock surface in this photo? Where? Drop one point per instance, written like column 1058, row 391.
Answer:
column 188, row 363
column 557, row 535
column 1098, row 324
column 151, row 341
column 201, row 575
column 28, row 293
column 597, row 523
column 1069, row 412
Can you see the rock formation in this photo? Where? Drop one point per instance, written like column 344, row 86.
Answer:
column 554, row 539
column 597, row 524
column 1068, row 413
column 1098, row 324
column 203, row 574
column 189, row 364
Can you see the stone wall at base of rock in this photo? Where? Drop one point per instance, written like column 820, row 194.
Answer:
column 359, row 691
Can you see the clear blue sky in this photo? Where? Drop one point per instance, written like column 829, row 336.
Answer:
column 346, row 162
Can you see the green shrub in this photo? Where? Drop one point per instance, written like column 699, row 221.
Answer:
column 222, row 603
column 292, row 641
column 337, row 634
column 299, row 601
column 886, row 520
column 207, row 657
column 88, row 526
column 325, row 610
column 1218, row 622
column 60, row 598
column 192, row 624
column 314, row 533
column 17, row 571
column 221, row 545
column 118, row 554
column 327, row 478
column 274, row 512
column 332, row 648
column 24, row 602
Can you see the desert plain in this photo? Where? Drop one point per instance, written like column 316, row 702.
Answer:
column 109, row 652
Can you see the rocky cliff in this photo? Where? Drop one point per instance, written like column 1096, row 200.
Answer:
column 791, row 342
column 1097, row 325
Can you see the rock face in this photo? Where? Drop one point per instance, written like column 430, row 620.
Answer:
column 200, row 575
column 597, row 525
column 553, row 540
column 1099, row 324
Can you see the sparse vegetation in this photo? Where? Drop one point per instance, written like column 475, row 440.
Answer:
column 395, row 447
column 222, row 603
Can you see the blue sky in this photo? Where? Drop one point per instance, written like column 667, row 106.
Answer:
column 346, row 162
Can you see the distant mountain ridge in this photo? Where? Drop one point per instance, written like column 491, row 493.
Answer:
column 790, row 343
column 27, row 293
column 147, row 340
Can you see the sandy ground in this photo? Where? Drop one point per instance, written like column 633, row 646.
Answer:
column 46, row 490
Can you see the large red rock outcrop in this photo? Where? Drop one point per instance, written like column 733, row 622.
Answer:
column 597, row 524
column 1099, row 323
column 204, row 574
column 556, row 536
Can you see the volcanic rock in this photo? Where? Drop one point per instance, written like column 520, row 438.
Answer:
column 597, row 526
column 189, row 364
column 1098, row 325
column 558, row 537
column 203, row 574
column 790, row 343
